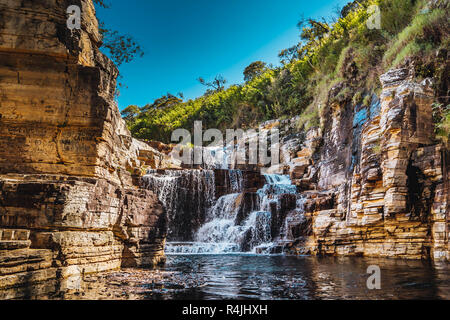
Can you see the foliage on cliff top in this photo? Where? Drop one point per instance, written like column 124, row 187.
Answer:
column 441, row 117
column 121, row 48
column 343, row 53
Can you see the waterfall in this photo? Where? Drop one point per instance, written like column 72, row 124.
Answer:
column 219, row 157
column 275, row 186
column 258, row 230
column 186, row 196
column 222, row 230
column 220, row 225
column 235, row 180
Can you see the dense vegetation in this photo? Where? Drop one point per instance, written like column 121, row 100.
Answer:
column 343, row 53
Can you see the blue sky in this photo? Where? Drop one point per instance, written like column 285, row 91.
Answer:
column 187, row 39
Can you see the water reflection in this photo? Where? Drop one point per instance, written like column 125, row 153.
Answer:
column 268, row 277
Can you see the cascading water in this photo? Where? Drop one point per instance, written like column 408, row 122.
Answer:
column 275, row 186
column 295, row 217
column 186, row 196
column 224, row 232
column 219, row 233
column 271, row 197
column 218, row 157
column 235, row 180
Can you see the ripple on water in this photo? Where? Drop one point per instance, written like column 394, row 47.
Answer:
column 268, row 277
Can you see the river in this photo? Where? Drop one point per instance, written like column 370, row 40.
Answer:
column 269, row 277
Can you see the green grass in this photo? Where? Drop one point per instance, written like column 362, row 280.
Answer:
column 377, row 148
column 410, row 41
column 357, row 98
column 441, row 116
column 367, row 100
column 341, row 61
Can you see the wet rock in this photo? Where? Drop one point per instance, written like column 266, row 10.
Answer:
column 249, row 201
column 186, row 196
column 279, row 212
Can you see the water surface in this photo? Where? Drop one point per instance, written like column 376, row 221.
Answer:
column 244, row 276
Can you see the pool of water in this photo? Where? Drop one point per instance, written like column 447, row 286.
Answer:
column 243, row 276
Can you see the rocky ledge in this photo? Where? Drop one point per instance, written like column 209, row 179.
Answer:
column 71, row 201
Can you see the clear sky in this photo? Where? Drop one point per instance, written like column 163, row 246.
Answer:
column 187, row 39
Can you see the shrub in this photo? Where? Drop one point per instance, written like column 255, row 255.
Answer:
column 367, row 100
column 357, row 98
column 377, row 148
column 396, row 15
column 342, row 61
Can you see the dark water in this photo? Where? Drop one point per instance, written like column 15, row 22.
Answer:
column 274, row 277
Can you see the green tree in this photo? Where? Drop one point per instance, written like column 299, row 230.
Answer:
column 290, row 54
column 101, row 3
column 313, row 30
column 349, row 7
column 217, row 85
column 161, row 104
column 253, row 70
column 122, row 48
column 130, row 113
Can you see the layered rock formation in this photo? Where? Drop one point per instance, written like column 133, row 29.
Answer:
column 71, row 200
column 375, row 182
column 72, row 197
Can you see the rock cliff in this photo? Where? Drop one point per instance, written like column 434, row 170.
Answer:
column 71, row 201
column 375, row 182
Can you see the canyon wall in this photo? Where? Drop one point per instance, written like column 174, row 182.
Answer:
column 73, row 200
column 374, row 179
column 71, row 196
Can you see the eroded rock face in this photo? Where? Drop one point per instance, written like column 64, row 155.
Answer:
column 71, row 200
column 375, row 183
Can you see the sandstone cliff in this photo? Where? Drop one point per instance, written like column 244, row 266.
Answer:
column 70, row 195
column 72, row 200
column 374, row 179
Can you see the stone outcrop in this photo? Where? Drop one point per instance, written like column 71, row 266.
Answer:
column 71, row 196
column 375, row 182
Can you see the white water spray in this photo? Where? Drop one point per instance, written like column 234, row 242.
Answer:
column 222, row 233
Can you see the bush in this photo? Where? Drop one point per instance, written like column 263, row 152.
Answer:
column 441, row 117
column 396, row 15
column 367, row 100
column 357, row 98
